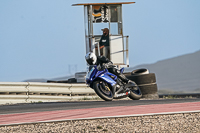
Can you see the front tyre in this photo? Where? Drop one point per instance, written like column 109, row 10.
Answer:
column 103, row 90
column 135, row 93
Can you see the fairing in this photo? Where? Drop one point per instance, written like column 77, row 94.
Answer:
column 105, row 75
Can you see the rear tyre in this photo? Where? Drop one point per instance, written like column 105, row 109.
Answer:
column 103, row 90
column 135, row 93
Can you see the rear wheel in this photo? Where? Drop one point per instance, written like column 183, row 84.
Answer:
column 135, row 93
column 103, row 90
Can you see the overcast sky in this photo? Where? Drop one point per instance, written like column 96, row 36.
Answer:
column 45, row 38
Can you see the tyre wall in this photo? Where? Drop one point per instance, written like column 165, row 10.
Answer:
column 146, row 81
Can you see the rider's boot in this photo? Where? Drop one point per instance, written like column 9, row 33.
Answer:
column 123, row 78
column 131, row 84
column 128, row 82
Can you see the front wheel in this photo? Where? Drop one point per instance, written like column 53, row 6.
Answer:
column 103, row 90
column 135, row 93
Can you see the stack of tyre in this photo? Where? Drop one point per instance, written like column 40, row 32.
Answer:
column 146, row 81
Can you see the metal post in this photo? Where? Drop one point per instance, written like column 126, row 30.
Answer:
column 98, row 49
column 91, row 22
column 86, row 28
column 127, row 58
column 109, row 12
column 93, row 45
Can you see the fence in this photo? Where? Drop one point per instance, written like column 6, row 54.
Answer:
column 27, row 92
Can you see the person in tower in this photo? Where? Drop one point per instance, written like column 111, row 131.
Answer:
column 105, row 43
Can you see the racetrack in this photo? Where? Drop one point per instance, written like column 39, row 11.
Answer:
column 45, row 112
column 39, row 107
column 99, row 116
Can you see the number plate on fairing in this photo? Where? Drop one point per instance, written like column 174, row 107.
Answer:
column 89, row 73
column 122, row 94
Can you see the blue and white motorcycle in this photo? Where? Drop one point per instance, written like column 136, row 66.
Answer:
column 108, row 86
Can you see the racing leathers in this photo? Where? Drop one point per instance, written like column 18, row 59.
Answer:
column 106, row 63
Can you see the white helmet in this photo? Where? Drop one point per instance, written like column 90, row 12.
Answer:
column 91, row 58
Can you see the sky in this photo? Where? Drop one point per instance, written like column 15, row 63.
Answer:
column 46, row 38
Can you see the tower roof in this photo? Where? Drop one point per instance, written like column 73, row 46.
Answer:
column 95, row 4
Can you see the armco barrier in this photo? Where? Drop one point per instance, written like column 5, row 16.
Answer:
column 26, row 92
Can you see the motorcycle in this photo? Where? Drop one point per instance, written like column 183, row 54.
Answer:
column 108, row 86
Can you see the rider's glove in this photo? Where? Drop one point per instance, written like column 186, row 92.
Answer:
column 99, row 67
column 105, row 65
column 108, row 65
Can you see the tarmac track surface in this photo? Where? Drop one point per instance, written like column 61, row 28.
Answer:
column 61, row 111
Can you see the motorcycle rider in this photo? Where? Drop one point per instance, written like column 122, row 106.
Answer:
column 102, row 62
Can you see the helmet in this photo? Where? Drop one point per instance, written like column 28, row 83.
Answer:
column 91, row 58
